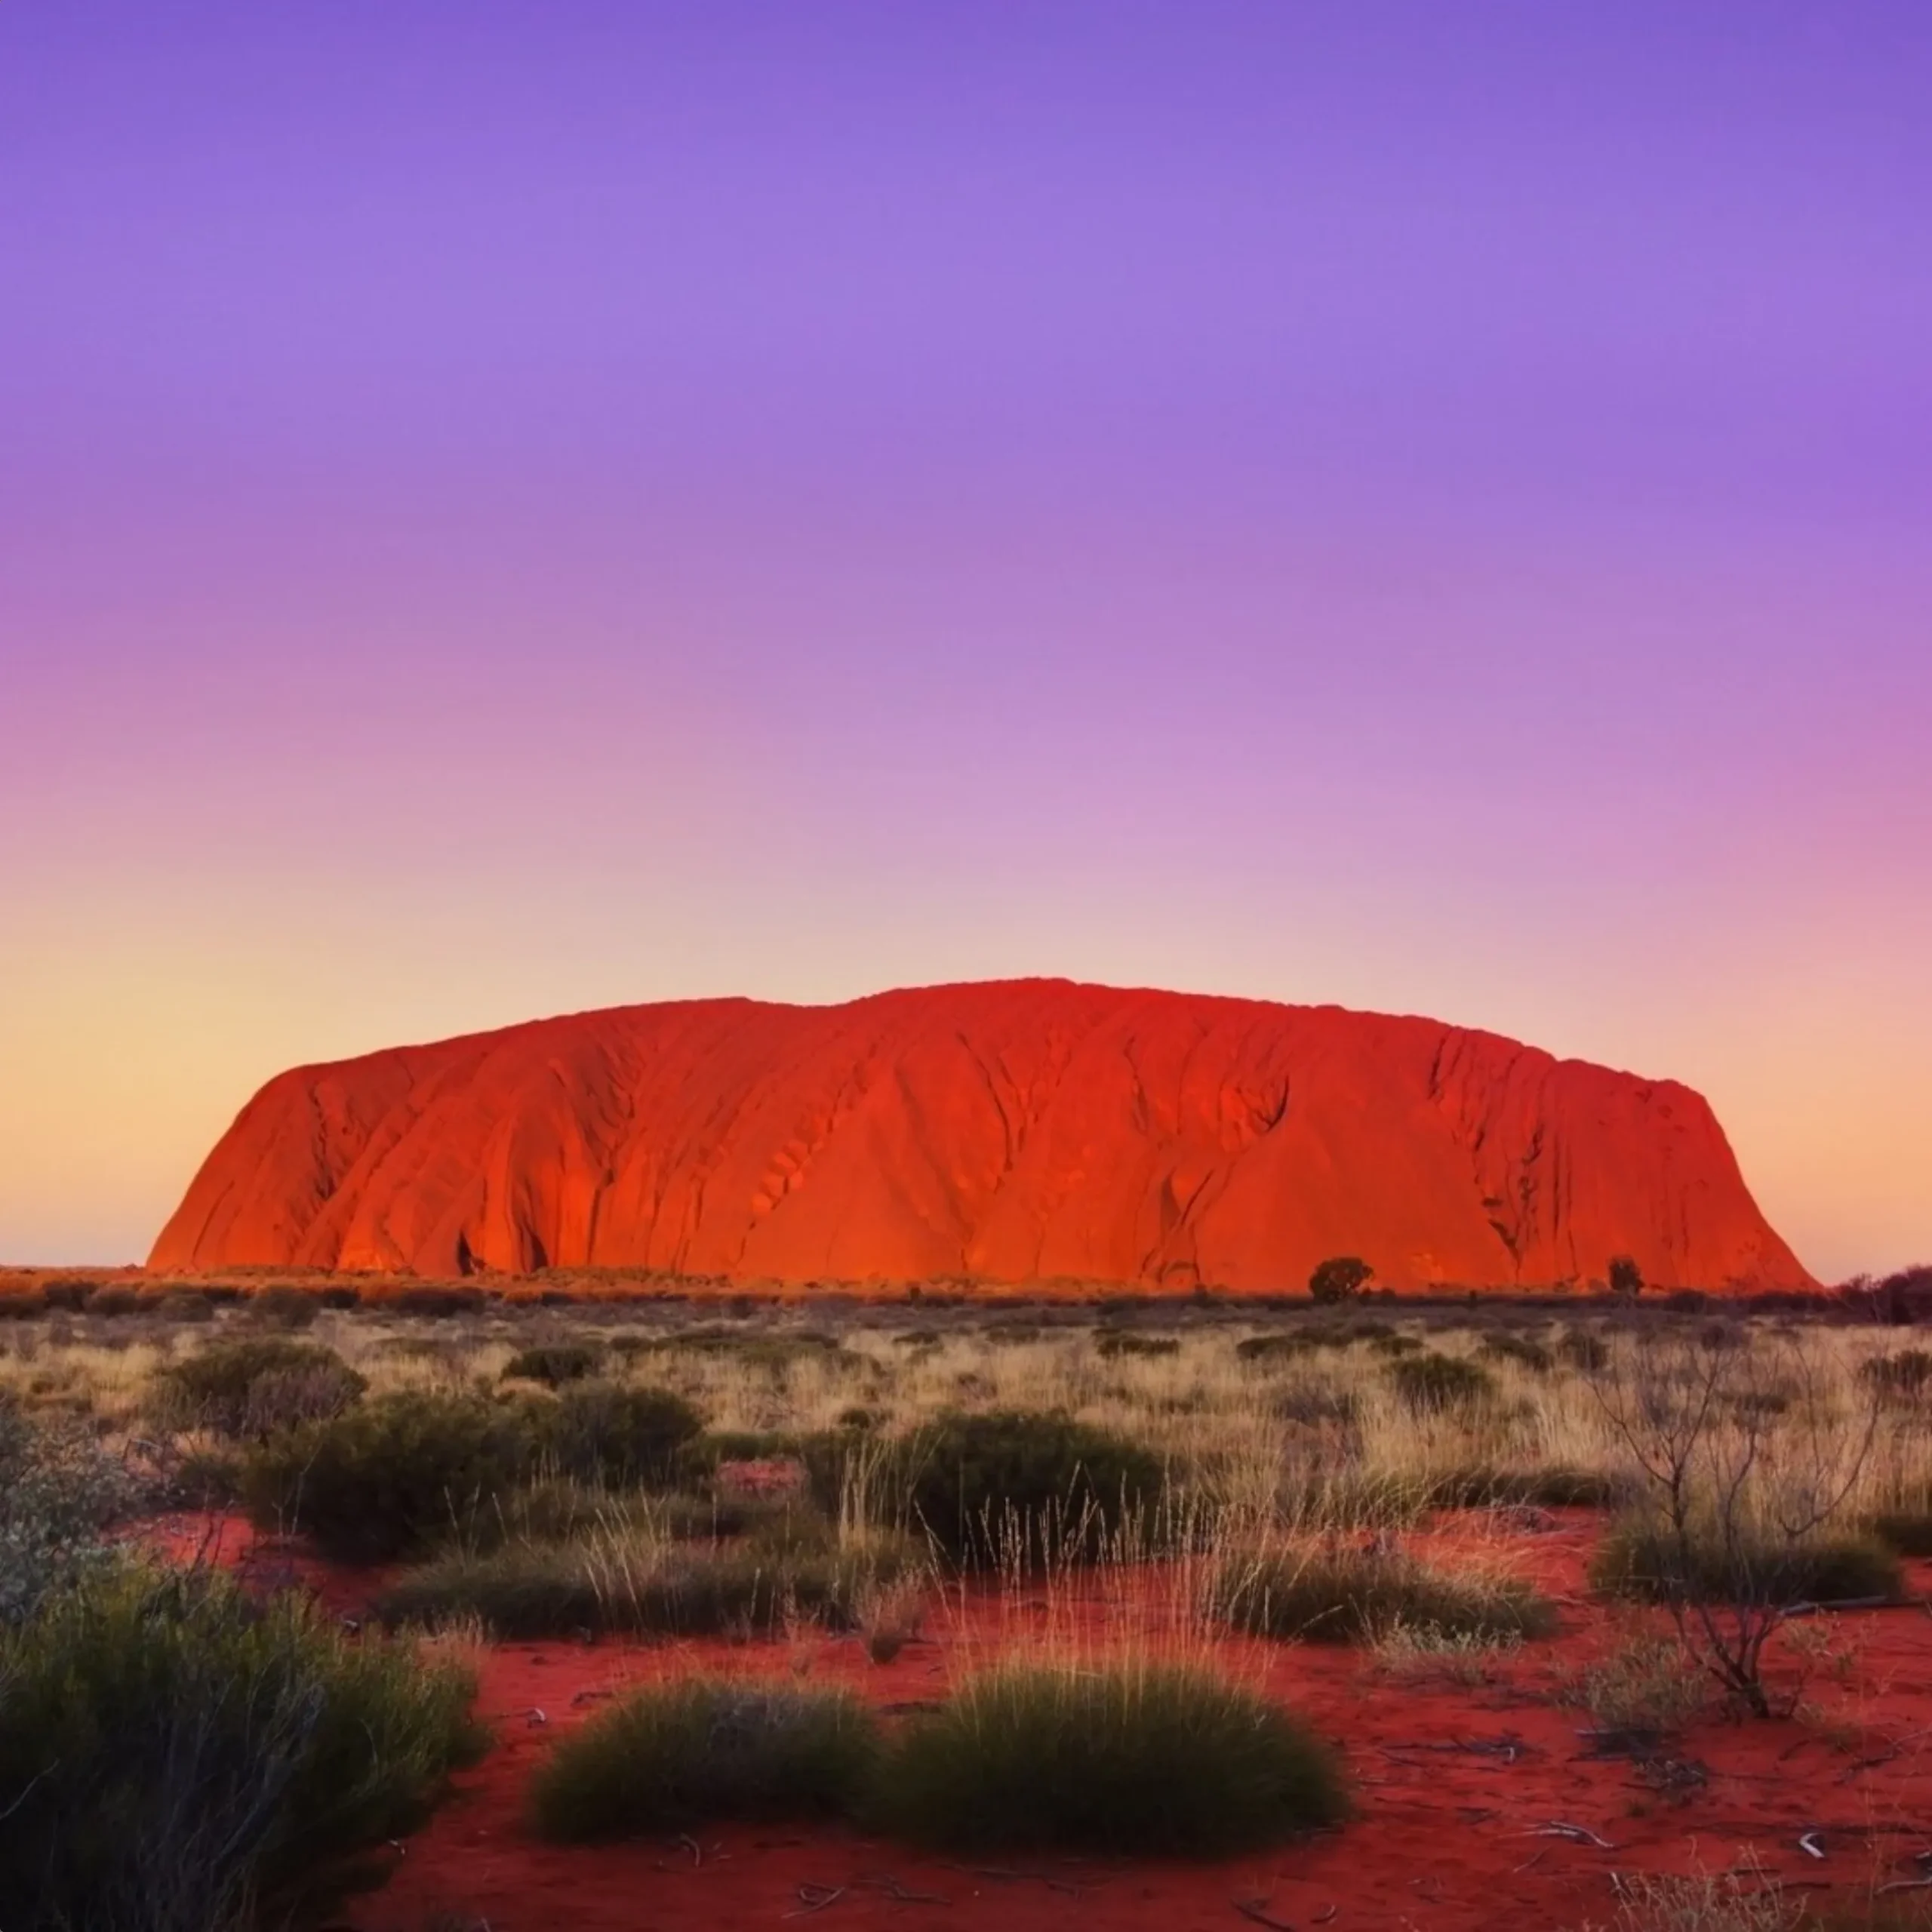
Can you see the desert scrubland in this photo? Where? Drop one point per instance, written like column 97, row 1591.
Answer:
column 448, row 1608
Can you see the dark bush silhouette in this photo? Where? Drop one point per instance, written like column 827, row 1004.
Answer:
column 1428, row 1383
column 556, row 1363
column 1341, row 1278
column 1626, row 1278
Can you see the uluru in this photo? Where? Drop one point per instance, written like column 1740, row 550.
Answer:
column 1004, row 1133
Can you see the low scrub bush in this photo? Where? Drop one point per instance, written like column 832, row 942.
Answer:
column 1110, row 1344
column 1012, row 1487
column 555, row 1363
column 1558, row 1486
column 1902, row 1377
column 612, row 1433
column 1314, row 1405
column 114, row 1300
column 1329, row 1596
column 690, row 1753
column 1904, row 1526
column 438, row 1304
column 756, row 1348
column 175, row 1757
column 1393, row 1343
column 284, row 1306
column 1429, row 1384
column 1647, row 1685
column 1646, row 1562
column 392, row 1477
column 59, row 1492
column 254, row 1387
column 1274, row 1348
column 1146, row 1760
column 1582, row 1350
column 1521, row 1349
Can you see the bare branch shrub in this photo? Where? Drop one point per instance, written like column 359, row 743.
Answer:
column 1748, row 1456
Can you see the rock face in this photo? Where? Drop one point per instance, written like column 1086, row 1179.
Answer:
column 1011, row 1132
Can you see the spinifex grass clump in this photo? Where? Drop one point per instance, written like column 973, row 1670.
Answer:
column 252, row 1387
column 1014, row 1489
column 1525, row 1351
column 176, row 1757
column 555, row 1363
column 690, row 1753
column 1142, row 1758
column 1647, row 1561
column 1326, row 1594
column 1431, row 1384
column 1111, row 1344
column 635, row 1581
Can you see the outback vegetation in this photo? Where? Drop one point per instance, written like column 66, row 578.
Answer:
column 984, row 1582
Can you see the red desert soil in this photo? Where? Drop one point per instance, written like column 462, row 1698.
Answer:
column 1012, row 1132
column 1456, row 1788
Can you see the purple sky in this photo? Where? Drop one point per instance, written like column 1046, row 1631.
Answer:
column 505, row 508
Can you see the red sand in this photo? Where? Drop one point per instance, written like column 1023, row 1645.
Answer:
column 1015, row 1132
column 1454, row 1785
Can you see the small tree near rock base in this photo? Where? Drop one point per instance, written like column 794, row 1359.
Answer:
column 1626, row 1278
column 1341, row 1278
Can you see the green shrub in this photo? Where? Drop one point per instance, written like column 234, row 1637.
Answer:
column 640, row 1585
column 1147, row 1761
column 1640, row 1559
column 251, row 1387
column 392, row 1477
column 1013, row 1487
column 690, row 1753
column 59, row 1492
column 1427, row 1383
column 175, row 1757
column 1357, row 1596
column 611, row 1433
column 556, row 1363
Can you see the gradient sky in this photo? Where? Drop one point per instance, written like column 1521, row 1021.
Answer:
column 511, row 507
